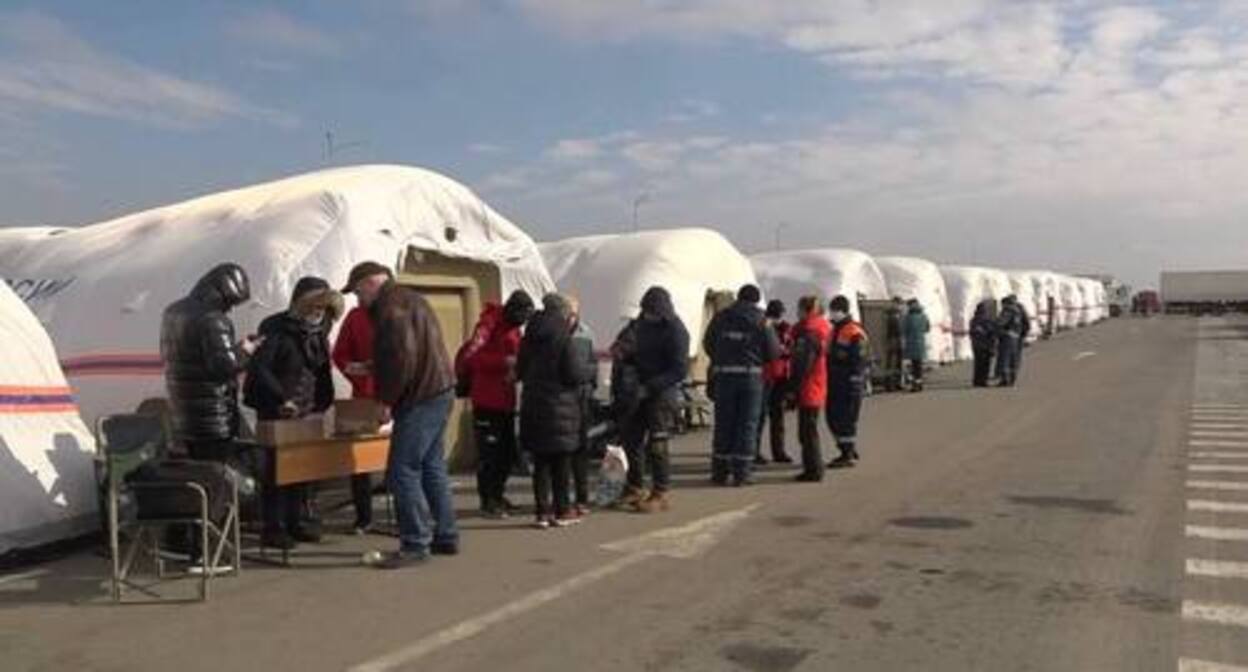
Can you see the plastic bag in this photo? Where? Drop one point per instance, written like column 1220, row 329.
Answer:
column 611, row 476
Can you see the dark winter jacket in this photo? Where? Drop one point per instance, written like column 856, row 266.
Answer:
column 554, row 368
column 739, row 340
column 983, row 330
column 294, row 362
column 202, row 358
column 661, row 355
column 410, row 357
column 1012, row 321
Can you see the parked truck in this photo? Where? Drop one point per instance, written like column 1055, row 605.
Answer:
column 1204, row 292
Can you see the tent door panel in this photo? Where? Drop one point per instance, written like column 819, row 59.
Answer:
column 456, row 290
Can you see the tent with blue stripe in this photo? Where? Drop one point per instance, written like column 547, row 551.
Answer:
column 47, row 483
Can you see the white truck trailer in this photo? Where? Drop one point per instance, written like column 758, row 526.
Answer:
column 1200, row 292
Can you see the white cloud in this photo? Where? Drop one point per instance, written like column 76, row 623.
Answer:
column 486, row 148
column 1069, row 135
column 49, row 66
column 272, row 30
column 693, row 109
column 575, row 149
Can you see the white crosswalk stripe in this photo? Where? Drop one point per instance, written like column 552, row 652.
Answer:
column 1216, row 507
column 1230, row 486
column 1218, row 454
column 1221, row 569
column 1219, row 468
column 1216, row 443
column 1214, row 612
column 1217, row 533
column 1194, row 665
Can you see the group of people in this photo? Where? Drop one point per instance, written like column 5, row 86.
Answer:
column 390, row 348
column 530, row 372
column 761, row 366
column 550, row 355
column 906, row 327
column 1000, row 336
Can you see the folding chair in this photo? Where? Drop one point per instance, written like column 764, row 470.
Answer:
column 173, row 493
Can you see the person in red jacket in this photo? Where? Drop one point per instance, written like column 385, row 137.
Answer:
column 353, row 355
column 809, row 382
column 775, row 382
column 486, row 366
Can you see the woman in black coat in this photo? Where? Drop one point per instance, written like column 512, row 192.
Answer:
column 553, row 370
column 290, row 378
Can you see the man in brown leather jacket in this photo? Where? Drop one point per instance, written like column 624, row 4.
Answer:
column 416, row 380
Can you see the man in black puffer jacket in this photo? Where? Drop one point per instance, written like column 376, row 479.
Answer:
column 652, row 354
column 203, row 360
column 289, row 378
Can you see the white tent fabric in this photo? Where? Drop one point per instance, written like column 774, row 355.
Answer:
column 1070, row 302
column 610, row 273
column 826, row 272
column 1021, row 286
column 912, row 278
column 100, row 290
column 47, row 482
column 967, row 287
column 1100, row 300
column 1044, row 285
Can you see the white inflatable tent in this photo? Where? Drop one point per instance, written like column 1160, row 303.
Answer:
column 610, row 273
column 1044, row 285
column 826, row 272
column 967, row 287
column 47, row 482
column 912, row 278
column 1070, row 302
column 100, row 290
column 1022, row 287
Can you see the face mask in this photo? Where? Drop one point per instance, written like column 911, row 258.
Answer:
column 315, row 319
column 837, row 316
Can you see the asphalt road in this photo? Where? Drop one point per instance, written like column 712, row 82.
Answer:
column 1039, row 528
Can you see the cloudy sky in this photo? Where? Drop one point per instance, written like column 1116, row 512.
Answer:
column 1080, row 136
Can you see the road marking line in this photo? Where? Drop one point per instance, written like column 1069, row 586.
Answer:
column 1213, row 612
column 1217, row 507
column 1219, row 468
column 1218, row 418
column 684, row 541
column 1218, row 406
column 1218, row 485
column 1218, row 455
column 1219, row 425
column 1217, row 434
column 1213, row 443
column 1217, row 533
column 1219, row 569
column 1195, row 665
column 1084, row 355
column 23, row 576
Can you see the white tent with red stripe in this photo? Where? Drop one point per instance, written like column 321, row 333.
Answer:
column 100, row 290
column 967, row 287
column 47, row 482
column 912, row 278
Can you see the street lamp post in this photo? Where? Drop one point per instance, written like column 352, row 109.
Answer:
column 780, row 226
column 641, row 198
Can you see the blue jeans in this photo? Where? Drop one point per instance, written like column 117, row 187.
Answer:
column 416, row 474
column 738, row 407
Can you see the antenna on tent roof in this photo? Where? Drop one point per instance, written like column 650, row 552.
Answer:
column 332, row 149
